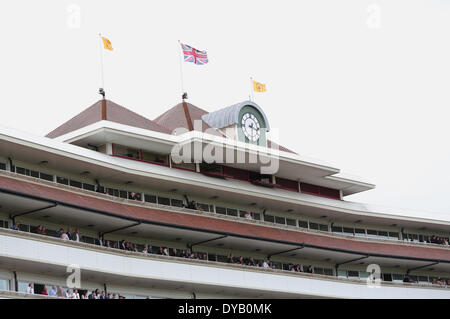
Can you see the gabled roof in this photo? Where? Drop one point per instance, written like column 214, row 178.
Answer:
column 114, row 113
column 184, row 115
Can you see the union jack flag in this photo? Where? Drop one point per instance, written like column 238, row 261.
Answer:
column 194, row 55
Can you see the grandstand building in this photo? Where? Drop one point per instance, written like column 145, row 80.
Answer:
column 153, row 226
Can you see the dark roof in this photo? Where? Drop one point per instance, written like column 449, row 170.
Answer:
column 181, row 115
column 184, row 116
column 114, row 113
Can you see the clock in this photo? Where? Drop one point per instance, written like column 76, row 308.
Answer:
column 251, row 127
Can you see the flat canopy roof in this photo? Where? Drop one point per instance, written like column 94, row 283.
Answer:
column 105, row 221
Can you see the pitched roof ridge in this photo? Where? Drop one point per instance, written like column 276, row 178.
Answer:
column 136, row 114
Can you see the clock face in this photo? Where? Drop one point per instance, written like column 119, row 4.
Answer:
column 251, row 127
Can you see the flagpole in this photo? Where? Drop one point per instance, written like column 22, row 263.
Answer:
column 251, row 90
column 101, row 61
column 181, row 72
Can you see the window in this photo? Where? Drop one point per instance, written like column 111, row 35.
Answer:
column 328, row 271
column 372, row 233
column 189, row 166
column 353, row 274
column 232, row 212
column 314, row 226
column 393, row 235
column 204, row 207
column 302, row 224
column 291, row 222
column 360, row 232
column 318, row 270
column 236, row 173
column 287, row 184
column 124, row 151
column 257, row 216
column 221, row 210
column 3, row 166
column 280, row 220
column 22, row 171
column 211, row 168
column 242, row 213
column 342, row 273
column 34, row 174
column 113, row 192
column 336, row 229
column 323, row 227
column 222, row 259
column 75, row 184
column 46, row 177
column 397, row 277
column 387, row 277
column 123, row 194
column 422, row 279
column 348, row 231
column 89, row 187
column 382, row 234
column 4, row 224
column 4, row 284
column 150, row 198
column 320, row 191
column 363, row 275
column 269, row 218
column 164, row 201
column 155, row 158
column 176, row 202
column 62, row 180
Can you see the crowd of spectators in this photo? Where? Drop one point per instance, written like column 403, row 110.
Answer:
column 184, row 253
column 73, row 293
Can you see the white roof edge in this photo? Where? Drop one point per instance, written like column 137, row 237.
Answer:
column 370, row 209
column 190, row 137
column 354, row 180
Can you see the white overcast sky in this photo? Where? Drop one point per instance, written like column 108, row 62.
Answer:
column 364, row 85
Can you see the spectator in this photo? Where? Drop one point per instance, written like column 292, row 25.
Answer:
column 85, row 296
column 123, row 245
column 69, row 233
column 266, row 264
column 62, row 234
column 108, row 296
column 108, row 244
column 100, row 240
column 75, row 294
column 44, row 291
column 69, row 294
column 39, row 230
column 60, row 292
column 231, row 259
column 103, row 295
column 53, row 291
column 76, row 237
column 114, row 296
column 251, row 262
column 248, row 215
column 135, row 248
column 165, row 251
column 30, row 288
column 15, row 226
column 44, row 230
column 150, row 249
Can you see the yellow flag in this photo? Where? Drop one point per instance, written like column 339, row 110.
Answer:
column 259, row 87
column 107, row 44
